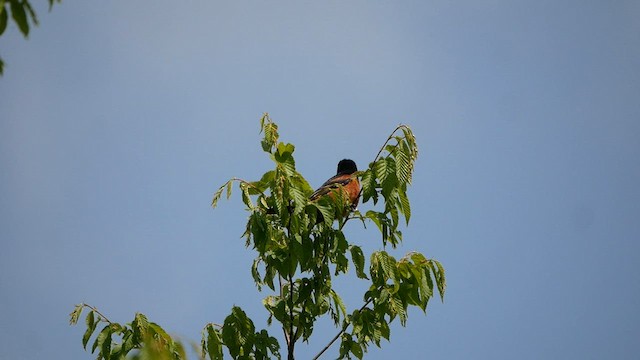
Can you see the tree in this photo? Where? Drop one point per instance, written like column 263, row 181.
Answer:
column 300, row 247
column 22, row 13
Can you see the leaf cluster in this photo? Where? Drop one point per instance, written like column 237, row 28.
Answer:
column 139, row 339
column 395, row 286
column 22, row 14
column 238, row 335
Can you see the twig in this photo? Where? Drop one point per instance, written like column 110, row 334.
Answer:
column 388, row 139
column 344, row 328
column 94, row 309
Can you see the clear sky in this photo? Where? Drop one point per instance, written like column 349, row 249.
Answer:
column 118, row 121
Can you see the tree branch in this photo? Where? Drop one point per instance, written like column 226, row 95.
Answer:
column 94, row 309
column 344, row 328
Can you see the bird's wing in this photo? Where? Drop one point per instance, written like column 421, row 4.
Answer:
column 331, row 184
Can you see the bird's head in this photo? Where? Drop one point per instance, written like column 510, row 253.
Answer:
column 346, row 166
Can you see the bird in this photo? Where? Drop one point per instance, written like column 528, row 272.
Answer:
column 344, row 180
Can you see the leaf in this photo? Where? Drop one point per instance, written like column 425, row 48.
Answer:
column 75, row 314
column 270, row 130
column 403, row 168
column 380, row 168
column 369, row 187
column 339, row 304
column 104, row 333
column 3, row 18
column 284, row 149
column 105, row 346
column 217, row 194
column 139, row 325
column 441, row 281
column 229, row 186
column 325, row 210
column 91, row 327
column 356, row 350
column 246, row 197
column 358, row 261
column 30, row 11
column 20, row 17
column 214, row 343
column 405, row 205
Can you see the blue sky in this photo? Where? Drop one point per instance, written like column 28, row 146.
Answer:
column 118, row 121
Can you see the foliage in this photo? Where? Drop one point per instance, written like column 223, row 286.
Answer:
column 300, row 247
column 22, row 13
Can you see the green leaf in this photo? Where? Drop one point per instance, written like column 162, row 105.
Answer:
column 339, row 305
column 356, row 350
column 246, row 197
column 105, row 346
column 20, row 17
column 405, row 205
column 368, row 183
column 3, row 18
column 285, row 149
column 358, row 261
column 214, row 343
column 106, row 332
column 325, row 210
column 139, row 325
column 403, row 165
column 91, row 327
column 229, row 186
column 75, row 314
column 217, row 194
column 258, row 187
column 270, row 130
column 380, row 168
column 441, row 281
column 30, row 12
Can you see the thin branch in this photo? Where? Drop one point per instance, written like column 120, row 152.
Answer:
column 246, row 183
column 344, row 328
column 284, row 330
column 388, row 139
column 94, row 309
column 214, row 324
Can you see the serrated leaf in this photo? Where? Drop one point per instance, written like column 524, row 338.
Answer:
column 368, row 183
column 326, row 211
column 405, row 205
column 357, row 256
column 440, row 277
column 217, row 194
column 380, row 168
column 214, row 344
column 246, row 197
column 403, row 168
column 75, row 314
column 139, row 326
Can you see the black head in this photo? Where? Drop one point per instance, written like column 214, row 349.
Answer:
column 346, row 166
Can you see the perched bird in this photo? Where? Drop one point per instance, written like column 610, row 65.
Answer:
column 344, row 180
